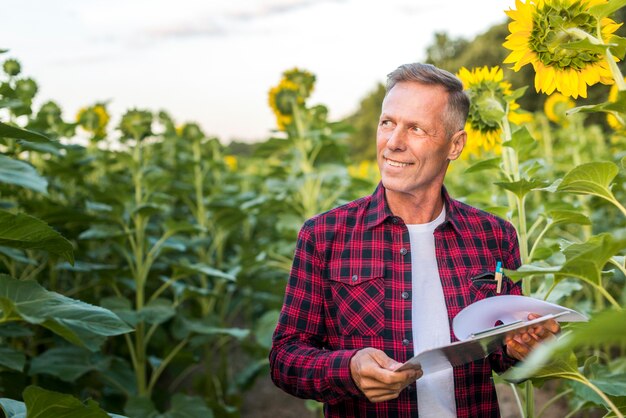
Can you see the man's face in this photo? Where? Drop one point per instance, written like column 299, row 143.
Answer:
column 412, row 147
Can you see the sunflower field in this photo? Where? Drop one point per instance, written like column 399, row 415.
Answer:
column 143, row 264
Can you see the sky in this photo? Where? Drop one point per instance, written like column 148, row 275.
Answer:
column 213, row 62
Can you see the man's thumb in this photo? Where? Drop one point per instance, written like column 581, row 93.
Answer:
column 385, row 361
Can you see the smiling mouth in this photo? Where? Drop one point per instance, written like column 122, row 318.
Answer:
column 397, row 163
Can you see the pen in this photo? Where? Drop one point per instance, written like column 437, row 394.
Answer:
column 499, row 277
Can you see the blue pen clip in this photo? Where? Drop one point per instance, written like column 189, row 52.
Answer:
column 498, row 277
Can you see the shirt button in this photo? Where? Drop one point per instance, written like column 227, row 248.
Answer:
column 406, row 342
column 405, row 295
column 395, row 220
column 355, row 278
column 403, row 251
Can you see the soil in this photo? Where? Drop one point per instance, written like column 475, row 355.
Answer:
column 267, row 401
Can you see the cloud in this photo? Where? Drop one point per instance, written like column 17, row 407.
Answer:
column 219, row 23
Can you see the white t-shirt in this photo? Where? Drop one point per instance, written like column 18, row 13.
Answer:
column 431, row 328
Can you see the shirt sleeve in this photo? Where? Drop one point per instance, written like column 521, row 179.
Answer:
column 499, row 359
column 299, row 362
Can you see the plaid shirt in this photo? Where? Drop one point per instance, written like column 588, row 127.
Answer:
column 350, row 288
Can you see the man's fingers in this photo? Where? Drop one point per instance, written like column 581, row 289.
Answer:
column 374, row 374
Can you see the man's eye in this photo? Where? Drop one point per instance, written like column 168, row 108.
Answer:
column 418, row 130
column 385, row 123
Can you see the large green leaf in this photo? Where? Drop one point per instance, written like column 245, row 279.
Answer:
column 522, row 142
column 521, row 187
column 19, row 173
column 591, row 178
column 488, row 164
column 584, row 261
column 555, row 357
column 66, row 363
column 12, row 359
column 78, row 322
column 601, row 11
column 26, row 232
column 41, row 403
column 544, row 362
column 8, row 131
column 13, row 409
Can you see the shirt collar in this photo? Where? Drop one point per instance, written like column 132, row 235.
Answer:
column 378, row 210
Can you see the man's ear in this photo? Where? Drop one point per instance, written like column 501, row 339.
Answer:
column 458, row 143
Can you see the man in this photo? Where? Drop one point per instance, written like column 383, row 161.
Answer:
column 380, row 278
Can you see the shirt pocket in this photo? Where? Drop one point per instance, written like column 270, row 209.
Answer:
column 359, row 298
column 482, row 284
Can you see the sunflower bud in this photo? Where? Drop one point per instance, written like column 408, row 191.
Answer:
column 12, row 67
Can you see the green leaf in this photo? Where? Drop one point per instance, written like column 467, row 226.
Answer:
column 13, row 409
column 41, row 403
column 12, row 359
column 157, row 311
column 8, row 131
column 78, row 322
column 546, row 361
column 184, row 327
column 489, row 164
column 590, row 178
column 619, row 105
column 184, row 406
column 618, row 46
column 521, row 187
column 122, row 307
column 201, row 268
column 522, row 142
column 102, row 232
column 12, row 329
column 141, row 407
column 19, row 173
column 265, row 328
column 607, row 327
column 562, row 217
column 601, row 11
column 26, row 232
column 585, row 45
column 66, row 363
column 584, row 261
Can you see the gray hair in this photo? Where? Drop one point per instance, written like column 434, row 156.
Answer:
column 457, row 108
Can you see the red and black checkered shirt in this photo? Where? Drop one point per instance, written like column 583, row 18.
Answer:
column 350, row 288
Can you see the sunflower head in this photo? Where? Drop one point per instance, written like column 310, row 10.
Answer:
column 555, row 107
column 94, row 119
column 136, row 124
column 293, row 90
column 190, row 131
column 553, row 36
column 491, row 100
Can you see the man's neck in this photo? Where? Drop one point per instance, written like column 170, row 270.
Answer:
column 419, row 208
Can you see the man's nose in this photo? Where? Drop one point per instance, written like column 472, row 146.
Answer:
column 396, row 140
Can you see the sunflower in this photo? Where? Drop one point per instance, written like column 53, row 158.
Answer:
column 615, row 121
column 491, row 100
column 294, row 88
column 555, row 107
column 541, row 31
column 94, row 119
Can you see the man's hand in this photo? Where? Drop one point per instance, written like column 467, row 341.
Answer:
column 521, row 343
column 374, row 374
